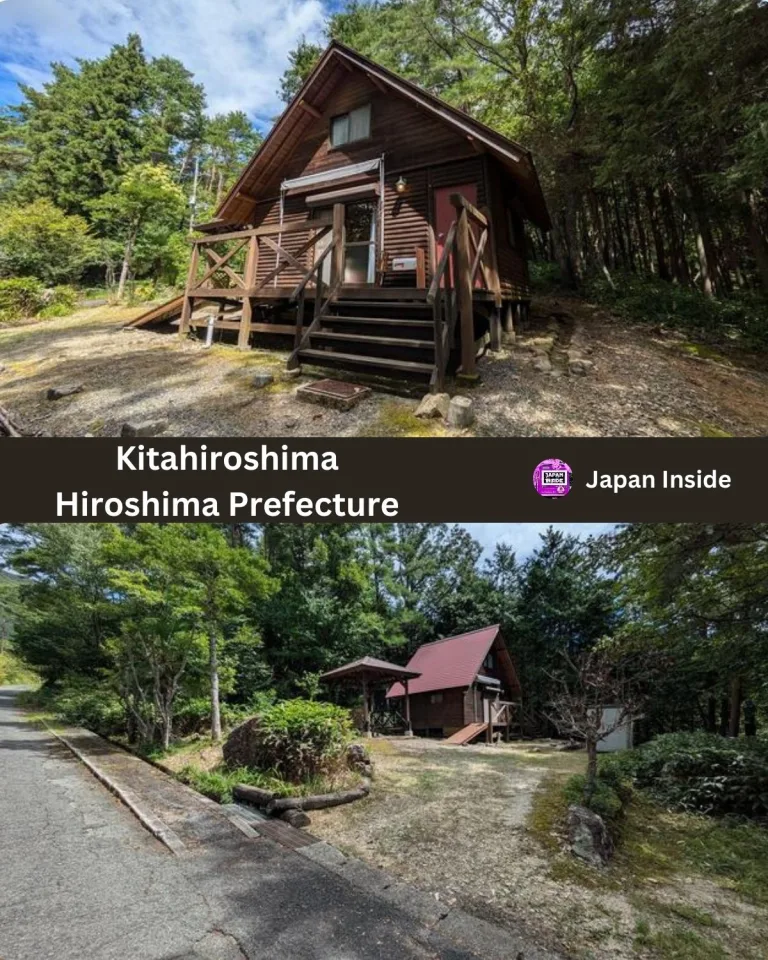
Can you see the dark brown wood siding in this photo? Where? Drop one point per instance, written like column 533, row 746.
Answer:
column 511, row 260
column 448, row 715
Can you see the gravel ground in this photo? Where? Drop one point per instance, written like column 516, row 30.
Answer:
column 641, row 384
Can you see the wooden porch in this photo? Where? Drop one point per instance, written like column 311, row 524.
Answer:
column 407, row 332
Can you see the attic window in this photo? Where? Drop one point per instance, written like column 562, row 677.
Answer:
column 348, row 127
column 490, row 662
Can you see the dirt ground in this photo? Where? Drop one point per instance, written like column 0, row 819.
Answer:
column 456, row 821
column 641, row 384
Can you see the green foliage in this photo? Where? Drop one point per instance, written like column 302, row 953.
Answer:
column 19, row 298
column 301, row 739
column 219, row 783
column 604, row 799
column 84, row 703
column 61, row 304
column 14, row 671
column 301, row 62
column 741, row 317
column 703, row 772
column 40, row 240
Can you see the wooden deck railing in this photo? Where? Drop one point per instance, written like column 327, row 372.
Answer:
column 466, row 255
column 244, row 286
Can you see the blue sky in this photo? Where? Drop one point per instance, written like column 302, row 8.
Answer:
column 237, row 48
column 524, row 537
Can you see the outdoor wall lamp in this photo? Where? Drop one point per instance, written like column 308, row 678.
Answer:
column 401, row 186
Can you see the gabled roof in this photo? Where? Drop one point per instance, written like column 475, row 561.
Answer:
column 370, row 668
column 334, row 65
column 453, row 662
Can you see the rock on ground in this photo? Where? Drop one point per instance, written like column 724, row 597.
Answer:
column 461, row 412
column 588, row 836
column 433, row 405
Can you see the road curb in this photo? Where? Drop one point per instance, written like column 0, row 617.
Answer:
column 164, row 834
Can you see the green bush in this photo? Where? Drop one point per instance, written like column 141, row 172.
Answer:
column 218, row 784
column 193, row 715
column 703, row 772
column 61, row 304
column 20, row 297
column 300, row 739
column 84, row 703
column 605, row 800
column 39, row 240
column 15, row 671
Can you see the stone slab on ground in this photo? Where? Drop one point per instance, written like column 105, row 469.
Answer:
column 333, row 393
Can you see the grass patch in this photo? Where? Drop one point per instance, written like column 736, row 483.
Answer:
column 398, row 420
column 710, row 430
column 14, row 671
column 676, row 943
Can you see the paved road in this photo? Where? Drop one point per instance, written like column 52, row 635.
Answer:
column 80, row 879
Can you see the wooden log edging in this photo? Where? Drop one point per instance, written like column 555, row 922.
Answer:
column 277, row 806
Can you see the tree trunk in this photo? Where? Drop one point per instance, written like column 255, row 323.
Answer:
column 125, row 269
column 680, row 269
column 756, row 238
column 591, row 781
column 734, row 718
column 658, row 239
column 724, row 716
column 214, row 670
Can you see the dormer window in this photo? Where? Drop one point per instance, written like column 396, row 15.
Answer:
column 348, row 127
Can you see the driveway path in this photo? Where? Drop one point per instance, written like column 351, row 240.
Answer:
column 81, row 878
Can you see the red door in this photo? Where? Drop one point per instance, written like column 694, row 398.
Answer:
column 445, row 214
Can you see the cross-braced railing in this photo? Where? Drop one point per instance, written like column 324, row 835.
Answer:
column 231, row 272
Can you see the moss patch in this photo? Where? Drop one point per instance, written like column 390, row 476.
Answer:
column 398, row 420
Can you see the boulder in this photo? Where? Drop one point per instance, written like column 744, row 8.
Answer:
column 239, row 748
column 433, row 405
column 143, row 429
column 542, row 364
column 58, row 393
column 461, row 412
column 358, row 759
column 588, row 836
column 262, row 378
column 580, row 367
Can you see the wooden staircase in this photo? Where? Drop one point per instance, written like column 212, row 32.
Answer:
column 377, row 333
column 467, row 734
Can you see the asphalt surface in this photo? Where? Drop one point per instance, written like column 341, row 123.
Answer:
column 81, row 879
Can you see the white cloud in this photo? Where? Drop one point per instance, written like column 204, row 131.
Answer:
column 524, row 537
column 237, row 48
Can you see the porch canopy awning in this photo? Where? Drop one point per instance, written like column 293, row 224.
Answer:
column 329, row 176
column 367, row 672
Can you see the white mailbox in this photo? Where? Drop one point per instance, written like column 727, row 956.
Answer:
column 401, row 264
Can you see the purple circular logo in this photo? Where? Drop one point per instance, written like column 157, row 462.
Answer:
column 552, row 478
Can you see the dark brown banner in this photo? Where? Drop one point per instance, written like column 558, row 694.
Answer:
column 410, row 480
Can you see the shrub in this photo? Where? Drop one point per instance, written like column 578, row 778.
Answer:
column 84, row 703
column 703, row 772
column 13, row 670
column 20, row 297
column 605, row 800
column 294, row 739
column 60, row 304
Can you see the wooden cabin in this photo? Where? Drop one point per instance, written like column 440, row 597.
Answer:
column 466, row 687
column 377, row 226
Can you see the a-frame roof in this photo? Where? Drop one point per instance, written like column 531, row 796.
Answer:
column 456, row 662
column 334, row 65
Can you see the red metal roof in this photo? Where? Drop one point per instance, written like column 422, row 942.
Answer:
column 453, row 662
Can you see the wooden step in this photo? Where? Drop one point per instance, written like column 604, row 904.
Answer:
column 374, row 341
column 470, row 732
column 406, row 366
column 384, row 321
column 387, row 304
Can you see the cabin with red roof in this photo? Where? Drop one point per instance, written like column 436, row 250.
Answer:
column 378, row 229
column 467, row 687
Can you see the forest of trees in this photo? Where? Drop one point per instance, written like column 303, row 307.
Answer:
column 159, row 621
column 103, row 171
column 648, row 121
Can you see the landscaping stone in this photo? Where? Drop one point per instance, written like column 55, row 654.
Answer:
column 433, row 405
column 239, row 748
column 292, row 374
column 580, row 367
column 58, row 393
column 149, row 429
column 359, row 759
column 542, row 364
column 461, row 412
column 588, row 836
column 262, row 378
